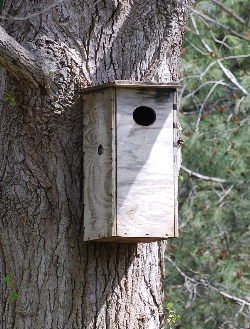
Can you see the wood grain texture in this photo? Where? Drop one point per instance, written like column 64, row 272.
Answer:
column 145, row 175
column 99, row 174
column 130, row 188
column 176, row 154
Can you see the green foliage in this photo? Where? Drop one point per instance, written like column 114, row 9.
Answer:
column 171, row 316
column 10, row 98
column 10, row 284
column 208, row 273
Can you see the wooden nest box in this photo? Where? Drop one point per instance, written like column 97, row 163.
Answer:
column 130, row 180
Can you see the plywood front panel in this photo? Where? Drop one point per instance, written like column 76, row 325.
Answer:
column 145, row 170
column 98, row 163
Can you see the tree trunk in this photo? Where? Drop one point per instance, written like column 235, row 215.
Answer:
column 50, row 54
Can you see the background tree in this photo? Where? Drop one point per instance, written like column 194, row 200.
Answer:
column 50, row 52
column 210, row 274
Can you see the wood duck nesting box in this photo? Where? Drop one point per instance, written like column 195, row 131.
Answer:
column 130, row 181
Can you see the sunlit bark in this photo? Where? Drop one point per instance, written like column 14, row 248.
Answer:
column 61, row 281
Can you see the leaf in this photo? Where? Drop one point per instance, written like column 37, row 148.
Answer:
column 13, row 297
column 9, row 278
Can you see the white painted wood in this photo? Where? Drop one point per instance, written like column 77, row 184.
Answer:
column 129, row 189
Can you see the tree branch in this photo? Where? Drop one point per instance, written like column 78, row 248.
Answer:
column 207, row 284
column 204, row 103
column 19, row 62
column 206, row 83
column 29, row 16
column 233, row 14
column 200, row 76
column 232, row 78
column 227, row 72
column 212, row 179
column 214, row 21
column 35, row 14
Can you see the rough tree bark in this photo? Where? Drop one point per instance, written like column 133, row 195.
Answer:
column 49, row 56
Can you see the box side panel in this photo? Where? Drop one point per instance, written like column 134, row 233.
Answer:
column 145, row 171
column 99, row 180
column 176, row 163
